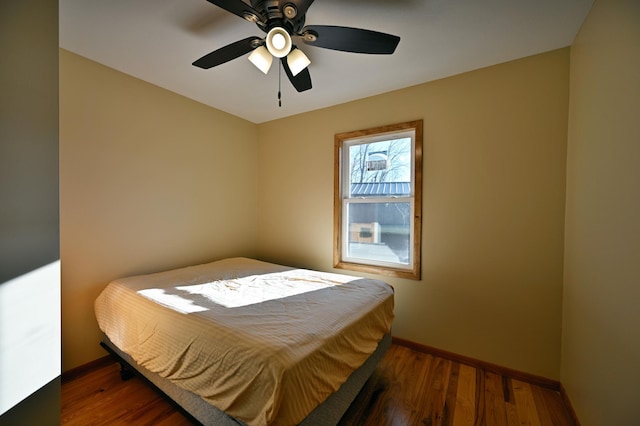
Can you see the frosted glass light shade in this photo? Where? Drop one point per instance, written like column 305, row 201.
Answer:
column 261, row 58
column 297, row 61
column 278, row 42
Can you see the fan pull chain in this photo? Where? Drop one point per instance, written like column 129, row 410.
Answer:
column 279, row 86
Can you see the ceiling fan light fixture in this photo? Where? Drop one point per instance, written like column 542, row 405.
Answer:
column 278, row 42
column 261, row 58
column 297, row 61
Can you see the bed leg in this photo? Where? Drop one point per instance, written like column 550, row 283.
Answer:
column 125, row 373
column 125, row 369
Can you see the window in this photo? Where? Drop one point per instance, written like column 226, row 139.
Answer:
column 378, row 200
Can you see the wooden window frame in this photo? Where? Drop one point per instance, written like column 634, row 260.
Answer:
column 414, row 270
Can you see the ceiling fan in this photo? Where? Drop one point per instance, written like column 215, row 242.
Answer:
column 281, row 20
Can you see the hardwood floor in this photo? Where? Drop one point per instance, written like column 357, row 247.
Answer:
column 413, row 388
column 409, row 387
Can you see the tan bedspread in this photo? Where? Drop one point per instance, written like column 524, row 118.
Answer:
column 262, row 342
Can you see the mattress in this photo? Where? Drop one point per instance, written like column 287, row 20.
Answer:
column 264, row 343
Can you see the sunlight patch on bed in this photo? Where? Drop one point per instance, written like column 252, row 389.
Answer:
column 174, row 301
column 239, row 292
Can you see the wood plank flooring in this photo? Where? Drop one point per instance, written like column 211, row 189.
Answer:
column 408, row 387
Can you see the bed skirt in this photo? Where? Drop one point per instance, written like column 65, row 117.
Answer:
column 328, row 413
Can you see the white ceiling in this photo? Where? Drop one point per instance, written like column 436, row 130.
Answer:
column 157, row 41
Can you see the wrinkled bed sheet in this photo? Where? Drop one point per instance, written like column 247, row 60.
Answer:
column 265, row 343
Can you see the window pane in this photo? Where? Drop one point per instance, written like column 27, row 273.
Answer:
column 379, row 231
column 371, row 164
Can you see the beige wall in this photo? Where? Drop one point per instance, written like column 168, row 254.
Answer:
column 601, row 326
column 149, row 180
column 494, row 182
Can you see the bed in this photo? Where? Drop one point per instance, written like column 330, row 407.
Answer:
column 241, row 341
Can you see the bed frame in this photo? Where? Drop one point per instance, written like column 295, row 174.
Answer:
column 328, row 413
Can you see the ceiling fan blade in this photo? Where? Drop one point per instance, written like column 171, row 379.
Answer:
column 239, row 8
column 301, row 81
column 227, row 53
column 301, row 5
column 349, row 39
